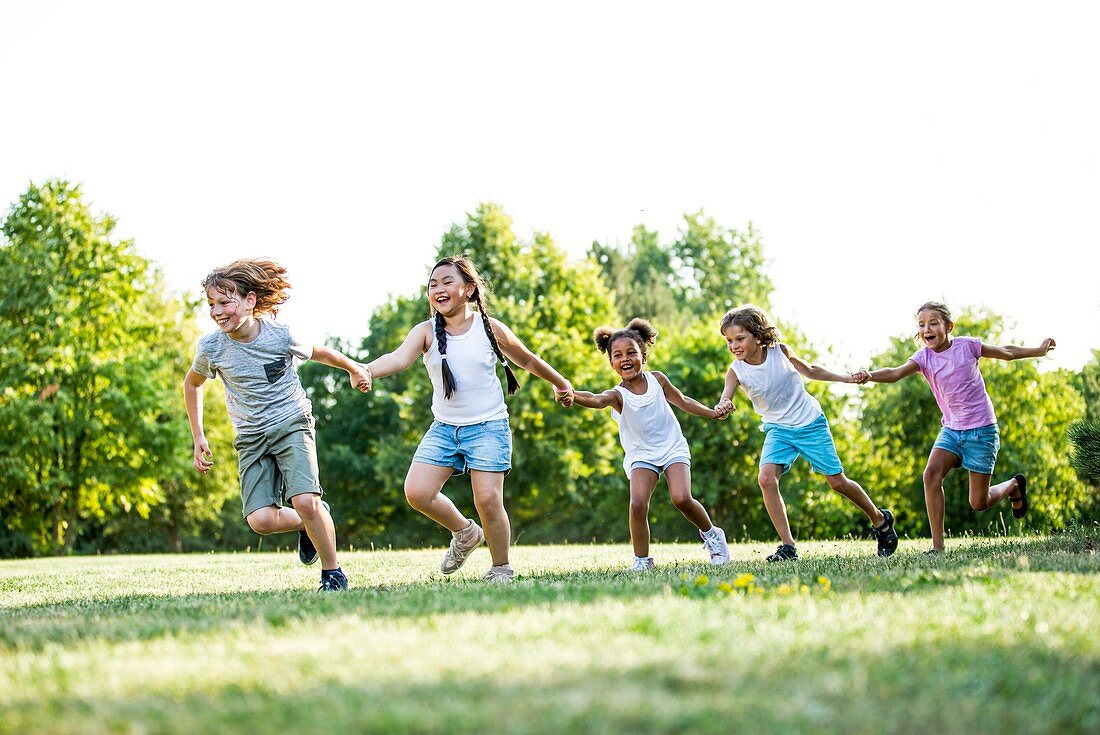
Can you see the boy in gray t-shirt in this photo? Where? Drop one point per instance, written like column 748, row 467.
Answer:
column 276, row 444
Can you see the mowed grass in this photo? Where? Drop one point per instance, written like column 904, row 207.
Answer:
column 997, row 636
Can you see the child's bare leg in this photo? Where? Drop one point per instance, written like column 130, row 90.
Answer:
column 642, row 483
column 984, row 497
column 488, row 490
column 851, row 489
column 678, row 477
column 274, row 519
column 318, row 524
column 773, row 501
column 940, row 462
column 423, row 484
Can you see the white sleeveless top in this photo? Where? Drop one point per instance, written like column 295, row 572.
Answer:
column 648, row 430
column 777, row 391
column 478, row 396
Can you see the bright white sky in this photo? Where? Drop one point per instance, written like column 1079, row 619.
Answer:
column 889, row 153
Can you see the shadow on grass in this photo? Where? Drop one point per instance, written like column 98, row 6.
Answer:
column 129, row 616
column 914, row 687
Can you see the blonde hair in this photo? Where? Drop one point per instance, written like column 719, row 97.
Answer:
column 639, row 330
column 265, row 278
column 754, row 321
column 468, row 271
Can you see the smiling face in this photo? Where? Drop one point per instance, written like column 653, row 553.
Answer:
column 626, row 357
column 448, row 291
column 743, row 345
column 232, row 312
column 934, row 330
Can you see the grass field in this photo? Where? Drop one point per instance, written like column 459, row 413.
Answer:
column 996, row 636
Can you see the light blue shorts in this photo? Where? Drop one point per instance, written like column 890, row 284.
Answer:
column 976, row 448
column 814, row 441
column 486, row 447
column 640, row 465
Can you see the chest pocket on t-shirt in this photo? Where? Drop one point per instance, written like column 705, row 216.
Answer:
column 277, row 369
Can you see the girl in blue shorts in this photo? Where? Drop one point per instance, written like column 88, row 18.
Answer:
column 770, row 374
column 969, row 437
column 461, row 348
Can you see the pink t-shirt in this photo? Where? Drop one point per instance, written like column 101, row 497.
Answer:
column 957, row 383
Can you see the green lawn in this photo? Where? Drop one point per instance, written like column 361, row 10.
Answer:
column 998, row 636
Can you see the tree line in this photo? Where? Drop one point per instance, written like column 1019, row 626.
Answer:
column 96, row 450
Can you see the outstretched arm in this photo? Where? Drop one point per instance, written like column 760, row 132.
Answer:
column 415, row 345
column 685, row 403
column 1012, row 352
column 201, row 457
column 607, row 399
column 816, row 372
column 725, row 404
column 887, row 375
column 522, row 357
column 359, row 374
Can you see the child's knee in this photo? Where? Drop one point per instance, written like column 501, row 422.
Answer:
column 836, row 482
column 639, row 506
column 933, row 477
column 767, row 482
column 683, row 502
column 260, row 522
column 307, row 505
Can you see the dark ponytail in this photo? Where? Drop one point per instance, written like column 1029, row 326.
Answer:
column 513, row 384
column 441, row 340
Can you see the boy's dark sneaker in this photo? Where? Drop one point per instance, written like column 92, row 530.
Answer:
column 333, row 580
column 885, row 534
column 785, row 552
column 307, row 552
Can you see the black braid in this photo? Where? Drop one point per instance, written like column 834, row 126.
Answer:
column 441, row 343
column 513, row 384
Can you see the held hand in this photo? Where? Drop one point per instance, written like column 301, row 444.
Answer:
column 361, row 377
column 859, row 377
column 204, row 458
column 1048, row 345
column 564, row 394
column 723, row 409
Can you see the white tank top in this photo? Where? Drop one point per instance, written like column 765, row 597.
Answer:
column 777, row 391
column 478, row 396
column 648, row 430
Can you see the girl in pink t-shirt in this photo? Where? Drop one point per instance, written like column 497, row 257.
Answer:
column 969, row 436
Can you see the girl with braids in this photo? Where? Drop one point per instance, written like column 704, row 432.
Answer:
column 461, row 347
column 651, row 437
column 794, row 424
column 276, row 445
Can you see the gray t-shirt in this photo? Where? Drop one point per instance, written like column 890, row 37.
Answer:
column 262, row 388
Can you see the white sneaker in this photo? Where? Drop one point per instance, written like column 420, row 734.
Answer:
column 502, row 574
column 462, row 543
column 715, row 544
column 642, row 564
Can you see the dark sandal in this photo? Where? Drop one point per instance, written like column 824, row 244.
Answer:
column 1021, row 487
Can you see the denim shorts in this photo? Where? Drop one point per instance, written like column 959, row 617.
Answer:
column 486, row 447
column 976, row 448
column 640, row 465
column 814, row 441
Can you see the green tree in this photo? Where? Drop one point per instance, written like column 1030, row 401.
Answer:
column 89, row 345
column 719, row 268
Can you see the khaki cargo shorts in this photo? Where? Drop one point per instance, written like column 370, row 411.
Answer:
column 277, row 464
